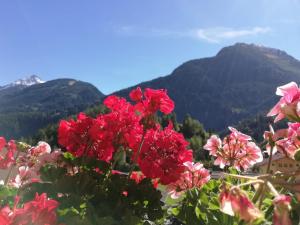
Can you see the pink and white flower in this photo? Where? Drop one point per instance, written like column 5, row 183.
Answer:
column 288, row 105
column 291, row 143
column 237, row 150
column 194, row 176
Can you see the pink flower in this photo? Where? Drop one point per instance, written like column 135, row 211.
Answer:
column 194, row 176
column 213, row 144
column 288, row 105
column 47, row 158
column 237, row 150
column 272, row 137
column 291, row 143
column 235, row 202
column 40, row 149
column 281, row 210
column 25, row 176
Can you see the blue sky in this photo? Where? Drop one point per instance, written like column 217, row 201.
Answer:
column 118, row 43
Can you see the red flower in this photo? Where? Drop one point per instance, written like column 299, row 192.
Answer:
column 157, row 100
column 39, row 211
column 5, row 216
column 115, row 103
column 122, row 124
column 163, row 154
column 9, row 149
column 79, row 138
column 137, row 176
column 153, row 101
column 136, row 94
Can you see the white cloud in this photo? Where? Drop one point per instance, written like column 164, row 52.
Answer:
column 212, row 35
column 218, row 34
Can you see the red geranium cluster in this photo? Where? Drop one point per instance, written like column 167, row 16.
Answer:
column 122, row 127
column 163, row 155
column 39, row 211
column 159, row 153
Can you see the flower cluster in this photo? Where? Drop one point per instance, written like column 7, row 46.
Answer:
column 290, row 144
column 163, row 154
column 39, row 211
column 237, row 150
column 160, row 154
column 288, row 105
column 7, row 152
column 29, row 163
column 103, row 136
column 194, row 176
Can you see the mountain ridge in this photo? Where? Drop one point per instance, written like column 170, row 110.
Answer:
column 236, row 83
column 24, row 111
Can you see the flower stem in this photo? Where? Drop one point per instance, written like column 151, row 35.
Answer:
column 136, row 156
column 270, row 160
column 240, row 176
column 249, row 183
column 272, row 189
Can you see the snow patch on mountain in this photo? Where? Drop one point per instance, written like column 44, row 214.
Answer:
column 25, row 82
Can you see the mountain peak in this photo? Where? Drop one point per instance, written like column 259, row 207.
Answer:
column 24, row 82
column 28, row 81
column 255, row 48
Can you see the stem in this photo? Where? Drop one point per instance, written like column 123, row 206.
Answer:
column 272, row 189
column 249, row 183
column 136, row 156
column 262, row 195
column 257, row 193
column 266, row 182
column 240, row 176
column 270, row 159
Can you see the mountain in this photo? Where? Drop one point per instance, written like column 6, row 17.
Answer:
column 237, row 83
column 22, row 83
column 31, row 104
